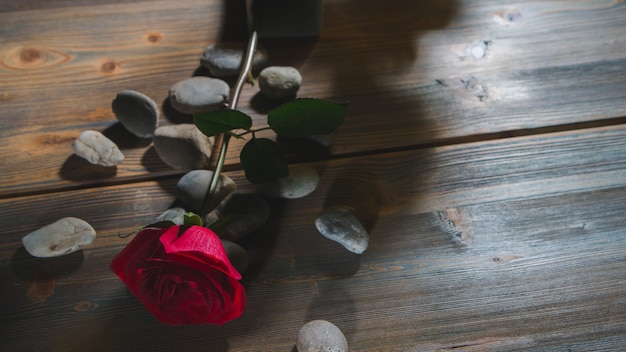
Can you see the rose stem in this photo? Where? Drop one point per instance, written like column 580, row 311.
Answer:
column 244, row 75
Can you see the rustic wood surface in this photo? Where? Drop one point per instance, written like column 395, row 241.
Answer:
column 484, row 150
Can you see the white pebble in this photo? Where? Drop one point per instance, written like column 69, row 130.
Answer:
column 321, row 336
column 62, row 237
column 302, row 181
column 277, row 82
column 97, row 149
column 339, row 224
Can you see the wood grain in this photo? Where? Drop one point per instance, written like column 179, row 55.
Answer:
column 513, row 244
column 425, row 73
column 483, row 151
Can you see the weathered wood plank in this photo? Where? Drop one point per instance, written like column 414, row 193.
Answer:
column 424, row 73
column 506, row 245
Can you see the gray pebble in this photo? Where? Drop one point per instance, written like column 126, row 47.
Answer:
column 225, row 59
column 239, row 214
column 175, row 215
column 136, row 112
column 302, row 180
column 199, row 94
column 277, row 82
column 193, row 186
column 339, row 224
column 321, row 336
column 97, row 149
column 62, row 237
column 237, row 255
column 183, row 146
column 324, row 140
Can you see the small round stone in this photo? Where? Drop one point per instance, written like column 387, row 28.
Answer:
column 225, row 59
column 183, row 146
column 238, row 215
column 175, row 215
column 96, row 148
column 321, row 336
column 199, row 94
column 237, row 255
column 193, row 186
column 277, row 82
column 64, row 236
column 339, row 224
column 138, row 113
column 302, row 180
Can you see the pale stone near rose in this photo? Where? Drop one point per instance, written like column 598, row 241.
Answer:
column 192, row 188
column 243, row 212
column 321, row 336
column 277, row 82
column 137, row 112
column 225, row 59
column 324, row 140
column 64, row 236
column 175, row 215
column 302, row 181
column 199, row 94
column 183, row 146
column 237, row 255
column 96, row 148
column 339, row 224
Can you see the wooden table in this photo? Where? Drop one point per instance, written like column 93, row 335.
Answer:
column 484, row 149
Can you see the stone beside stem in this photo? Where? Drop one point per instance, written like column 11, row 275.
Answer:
column 244, row 76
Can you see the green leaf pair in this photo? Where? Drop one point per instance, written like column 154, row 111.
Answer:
column 261, row 158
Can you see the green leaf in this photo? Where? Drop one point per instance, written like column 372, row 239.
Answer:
column 306, row 116
column 219, row 121
column 263, row 161
column 192, row 219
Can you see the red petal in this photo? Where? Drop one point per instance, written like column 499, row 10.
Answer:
column 135, row 254
column 193, row 240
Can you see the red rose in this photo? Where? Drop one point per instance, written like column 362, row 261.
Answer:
column 182, row 275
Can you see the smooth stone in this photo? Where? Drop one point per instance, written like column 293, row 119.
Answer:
column 339, row 224
column 199, row 94
column 193, row 186
column 138, row 113
column 62, row 237
column 277, row 82
column 183, row 146
column 324, row 140
column 225, row 59
column 302, row 181
column 97, row 149
column 321, row 336
column 175, row 215
column 237, row 255
column 242, row 214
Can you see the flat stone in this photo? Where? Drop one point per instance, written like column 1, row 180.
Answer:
column 278, row 82
column 193, row 186
column 239, row 214
column 183, row 146
column 237, row 255
column 302, row 181
column 62, row 237
column 199, row 94
column 321, row 336
column 225, row 59
column 97, row 149
column 138, row 113
column 324, row 140
column 339, row 224
column 175, row 215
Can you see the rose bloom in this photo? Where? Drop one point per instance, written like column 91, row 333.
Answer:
column 182, row 275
